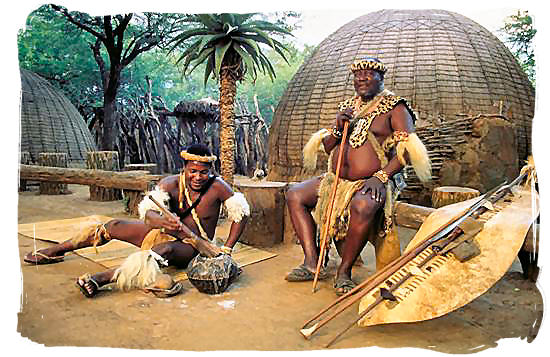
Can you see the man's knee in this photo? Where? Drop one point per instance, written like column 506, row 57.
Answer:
column 165, row 250
column 364, row 207
column 294, row 197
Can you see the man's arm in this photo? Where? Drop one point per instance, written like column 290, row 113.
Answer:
column 152, row 215
column 238, row 211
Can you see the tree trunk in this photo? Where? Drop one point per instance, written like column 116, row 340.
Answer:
column 446, row 195
column 54, row 160
column 108, row 161
column 124, row 180
column 109, row 109
column 228, row 90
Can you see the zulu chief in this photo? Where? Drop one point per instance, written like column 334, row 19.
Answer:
column 381, row 142
column 195, row 196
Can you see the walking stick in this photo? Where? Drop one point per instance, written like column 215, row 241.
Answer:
column 323, row 242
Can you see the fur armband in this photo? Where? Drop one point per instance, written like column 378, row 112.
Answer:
column 237, row 207
column 139, row 270
column 312, row 148
column 146, row 204
column 418, row 156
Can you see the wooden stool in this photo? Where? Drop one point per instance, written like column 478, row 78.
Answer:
column 53, row 159
column 446, row 195
column 108, row 161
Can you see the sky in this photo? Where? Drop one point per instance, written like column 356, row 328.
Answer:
column 320, row 19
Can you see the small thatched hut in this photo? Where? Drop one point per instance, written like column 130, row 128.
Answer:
column 50, row 122
column 447, row 66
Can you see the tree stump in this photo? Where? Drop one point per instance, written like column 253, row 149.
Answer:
column 132, row 199
column 446, row 195
column 25, row 159
column 264, row 227
column 53, row 159
column 108, row 161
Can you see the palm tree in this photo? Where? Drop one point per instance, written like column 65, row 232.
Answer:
column 229, row 44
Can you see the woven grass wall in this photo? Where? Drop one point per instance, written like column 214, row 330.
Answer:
column 443, row 63
column 50, row 122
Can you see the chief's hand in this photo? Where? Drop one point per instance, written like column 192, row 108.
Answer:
column 342, row 117
column 375, row 188
column 170, row 223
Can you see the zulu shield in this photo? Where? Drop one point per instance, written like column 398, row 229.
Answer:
column 436, row 281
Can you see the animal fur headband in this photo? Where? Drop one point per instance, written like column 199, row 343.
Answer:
column 192, row 157
column 368, row 63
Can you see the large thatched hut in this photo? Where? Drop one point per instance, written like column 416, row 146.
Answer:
column 50, row 122
column 447, row 66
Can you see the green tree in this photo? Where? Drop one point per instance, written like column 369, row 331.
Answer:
column 122, row 38
column 519, row 33
column 230, row 46
column 61, row 54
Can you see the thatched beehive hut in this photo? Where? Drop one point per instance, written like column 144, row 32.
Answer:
column 50, row 122
column 446, row 65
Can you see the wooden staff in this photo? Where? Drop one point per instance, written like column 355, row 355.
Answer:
column 202, row 245
column 394, row 266
column 323, row 242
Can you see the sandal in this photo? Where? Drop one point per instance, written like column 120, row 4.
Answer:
column 83, row 280
column 343, row 286
column 41, row 258
column 302, row 273
column 164, row 293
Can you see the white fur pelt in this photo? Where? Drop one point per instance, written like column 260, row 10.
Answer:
column 418, row 156
column 139, row 270
column 237, row 207
column 312, row 148
column 146, row 204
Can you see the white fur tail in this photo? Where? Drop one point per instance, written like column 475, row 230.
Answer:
column 138, row 271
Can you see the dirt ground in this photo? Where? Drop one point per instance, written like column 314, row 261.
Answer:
column 261, row 311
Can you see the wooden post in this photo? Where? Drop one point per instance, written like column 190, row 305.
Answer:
column 53, row 159
column 107, row 161
column 25, row 159
column 446, row 195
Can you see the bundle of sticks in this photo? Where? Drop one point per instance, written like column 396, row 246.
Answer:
column 435, row 244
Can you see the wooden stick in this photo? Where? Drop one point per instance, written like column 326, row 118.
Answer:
column 202, row 245
column 323, row 242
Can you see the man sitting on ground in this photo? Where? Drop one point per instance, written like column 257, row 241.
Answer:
column 195, row 196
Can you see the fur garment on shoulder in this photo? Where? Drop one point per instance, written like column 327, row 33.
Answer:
column 237, row 207
column 312, row 149
column 418, row 156
column 146, row 204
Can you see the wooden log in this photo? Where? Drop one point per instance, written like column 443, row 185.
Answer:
column 446, row 195
column 24, row 158
column 52, row 159
column 411, row 216
column 108, row 161
column 151, row 168
column 112, row 179
column 267, row 202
